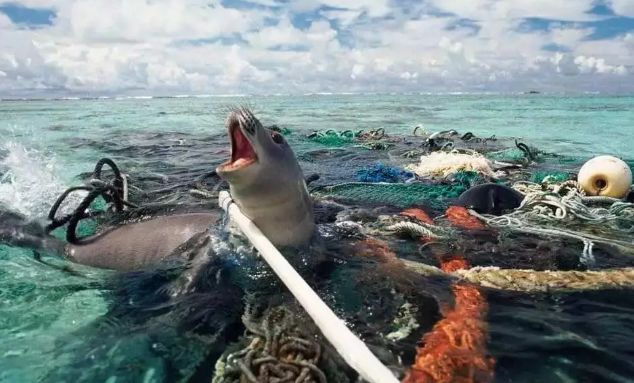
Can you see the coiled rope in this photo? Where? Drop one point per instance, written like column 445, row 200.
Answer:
column 278, row 351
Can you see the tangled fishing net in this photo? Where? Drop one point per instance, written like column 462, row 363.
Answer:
column 382, row 173
column 467, row 178
column 279, row 349
column 562, row 210
column 567, row 202
column 507, row 155
column 419, row 226
column 455, row 349
column 395, row 194
column 540, row 176
column 442, row 164
column 332, row 137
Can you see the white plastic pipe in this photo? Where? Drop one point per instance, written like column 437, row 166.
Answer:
column 351, row 348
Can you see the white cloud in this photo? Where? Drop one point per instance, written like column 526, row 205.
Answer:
column 571, row 65
column 282, row 34
column 5, row 22
column 171, row 46
column 357, row 70
column 622, row 7
column 142, row 20
column 598, row 65
column 409, row 76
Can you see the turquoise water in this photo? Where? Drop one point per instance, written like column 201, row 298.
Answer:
column 46, row 314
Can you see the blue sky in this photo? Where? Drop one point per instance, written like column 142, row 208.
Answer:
column 103, row 47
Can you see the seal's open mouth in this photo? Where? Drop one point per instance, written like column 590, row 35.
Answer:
column 242, row 152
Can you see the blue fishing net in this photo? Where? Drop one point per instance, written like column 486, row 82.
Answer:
column 379, row 172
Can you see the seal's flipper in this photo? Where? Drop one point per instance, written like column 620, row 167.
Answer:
column 19, row 230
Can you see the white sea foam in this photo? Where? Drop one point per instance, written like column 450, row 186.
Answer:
column 29, row 181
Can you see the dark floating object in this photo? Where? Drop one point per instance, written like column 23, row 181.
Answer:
column 491, row 198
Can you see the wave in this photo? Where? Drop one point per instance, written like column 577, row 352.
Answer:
column 29, row 181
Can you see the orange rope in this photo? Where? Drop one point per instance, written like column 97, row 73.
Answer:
column 418, row 214
column 460, row 217
column 455, row 349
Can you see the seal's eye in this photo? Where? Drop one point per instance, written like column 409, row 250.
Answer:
column 277, row 138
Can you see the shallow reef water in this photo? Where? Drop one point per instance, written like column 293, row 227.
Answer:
column 65, row 322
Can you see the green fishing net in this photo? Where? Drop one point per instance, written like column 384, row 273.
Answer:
column 507, row 155
column 333, row 138
column 395, row 194
column 468, row 178
column 540, row 176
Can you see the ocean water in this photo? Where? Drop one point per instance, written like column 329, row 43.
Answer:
column 47, row 315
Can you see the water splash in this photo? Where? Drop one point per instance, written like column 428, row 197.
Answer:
column 30, row 180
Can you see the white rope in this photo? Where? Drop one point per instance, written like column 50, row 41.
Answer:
column 351, row 348
column 124, row 177
column 417, row 229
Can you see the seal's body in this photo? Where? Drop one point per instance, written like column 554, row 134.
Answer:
column 135, row 245
column 266, row 181
column 490, row 198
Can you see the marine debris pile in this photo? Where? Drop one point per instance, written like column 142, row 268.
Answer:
column 553, row 203
column 477, row 214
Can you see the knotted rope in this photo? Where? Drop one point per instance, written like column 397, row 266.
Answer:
column 278, row 351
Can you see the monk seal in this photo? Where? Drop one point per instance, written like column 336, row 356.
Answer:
column 266, row 182
column 490, row 198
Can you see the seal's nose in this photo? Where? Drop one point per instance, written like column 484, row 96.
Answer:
column 232, row 120
column 245, row 119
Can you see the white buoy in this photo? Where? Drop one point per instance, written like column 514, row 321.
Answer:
column 605, row 176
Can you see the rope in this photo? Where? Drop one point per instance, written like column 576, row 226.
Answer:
column 351, row 348
column 442, row 164
column 114, row 192
column 415, row 229
column 526, row 280
column 528, row 153
column 278, row 351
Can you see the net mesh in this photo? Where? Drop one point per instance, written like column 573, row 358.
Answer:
column 395, row 194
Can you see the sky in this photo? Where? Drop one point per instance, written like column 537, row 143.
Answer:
column 53, row 48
